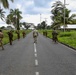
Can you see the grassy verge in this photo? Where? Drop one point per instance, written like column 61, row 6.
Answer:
column 68, row 38
column 6, row 38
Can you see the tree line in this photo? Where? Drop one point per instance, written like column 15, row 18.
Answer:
column 57, row 17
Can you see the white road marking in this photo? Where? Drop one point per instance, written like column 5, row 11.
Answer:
column 36, row 62
column 37, row 73
column 35, row 55
column 35, row 48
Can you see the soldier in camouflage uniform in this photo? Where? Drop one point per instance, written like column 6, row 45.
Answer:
column 1, row 37
column 35, row 35
column 54, row 36
column 10, row 35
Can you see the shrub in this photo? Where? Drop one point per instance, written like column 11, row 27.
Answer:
column 65, row 34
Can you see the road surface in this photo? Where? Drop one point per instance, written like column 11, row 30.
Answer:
column 44, row 58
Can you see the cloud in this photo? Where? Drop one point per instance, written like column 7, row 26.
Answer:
column 71, row 5
column 39, row 6
column 31, row 6
column 41, row 3
column 32, row 19
column 36, row 18
column 34, row 7
column 37, row 10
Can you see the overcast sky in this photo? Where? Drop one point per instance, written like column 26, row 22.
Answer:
column 31, row 9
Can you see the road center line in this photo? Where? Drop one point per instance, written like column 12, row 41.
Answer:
column 37, row 73
column 35, row 55
column 36, row 62
column 35, row 48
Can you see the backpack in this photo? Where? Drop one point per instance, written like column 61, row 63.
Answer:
column 1, row 35
column 35, row 33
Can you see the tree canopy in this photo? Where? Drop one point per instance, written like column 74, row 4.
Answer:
column 58, row 15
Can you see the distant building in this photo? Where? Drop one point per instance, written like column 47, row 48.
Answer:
column 10, row 27
column 22, row 27
column 31, row 25
column 69, row 27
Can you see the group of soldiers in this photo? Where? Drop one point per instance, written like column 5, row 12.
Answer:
column 10, row 35
column 54, row 35
column 35, row 35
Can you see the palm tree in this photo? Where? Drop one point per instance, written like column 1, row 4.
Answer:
column 5, row 3
column 43, row 25
column 9, row 19
column 15, row 17
column 58, row 15
column 57, row 7
column 2, row 16
column 56, row 11
column 69, row 19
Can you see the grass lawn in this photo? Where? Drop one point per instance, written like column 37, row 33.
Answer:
column 68, row 38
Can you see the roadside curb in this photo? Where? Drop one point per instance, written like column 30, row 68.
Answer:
column 67, row 45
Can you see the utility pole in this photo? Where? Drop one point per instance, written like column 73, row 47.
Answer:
column 64, row 13
column 64, row 16
column 40, row 19
column 0, row 4
column 45, row 23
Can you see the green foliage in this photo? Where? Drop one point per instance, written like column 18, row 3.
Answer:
column 58, row 15
column 43, row 25
column 5, row 3
column 68, row 38
column 14, row 18
column 48, row 32
column 65, row 34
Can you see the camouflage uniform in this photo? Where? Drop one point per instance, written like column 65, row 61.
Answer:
column 23, row 33
column 18, row 34
column 1, row 37
column 54, row 36
column 10, row 34
column 35, row 35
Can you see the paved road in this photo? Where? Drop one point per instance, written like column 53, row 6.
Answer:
column 44, row 58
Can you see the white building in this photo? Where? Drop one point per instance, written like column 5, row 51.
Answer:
column 10, row 27
column 32, row 26
column 69, row 26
